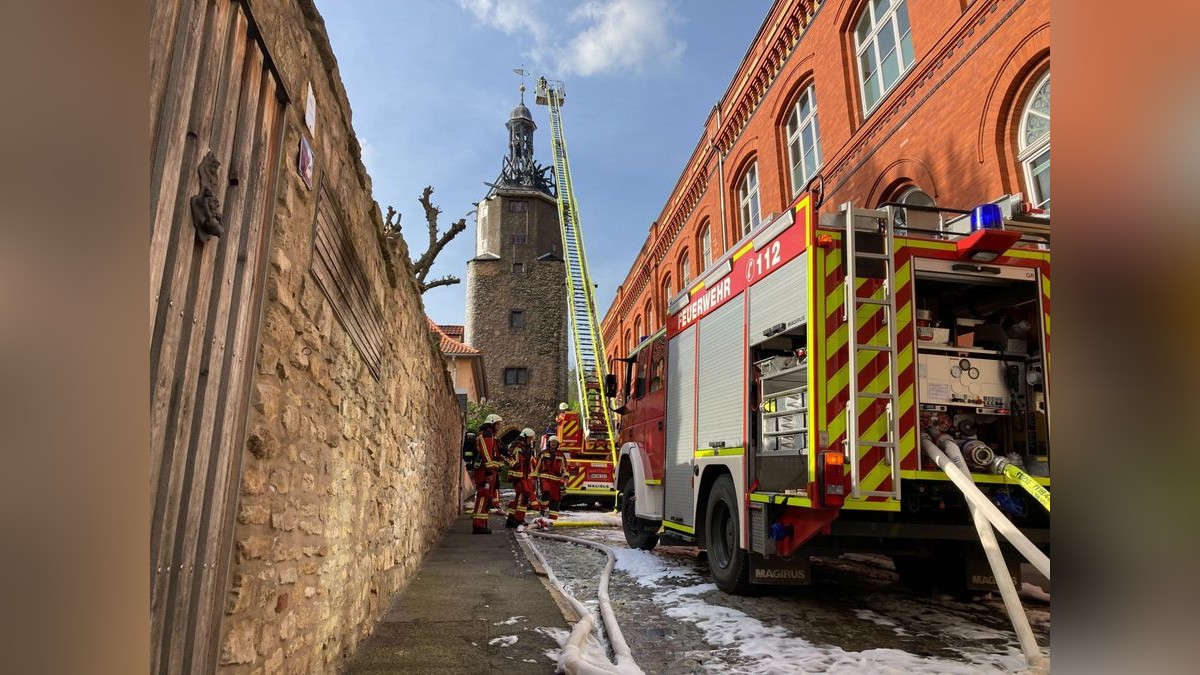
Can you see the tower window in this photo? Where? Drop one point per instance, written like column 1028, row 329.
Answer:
column 518, row 268
column 517, row 206
column 518, row 239
column 516, row 318
column 516, row 376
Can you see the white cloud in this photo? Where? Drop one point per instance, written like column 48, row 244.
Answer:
column 622, row 35
column 598, row 38
column 511, row 17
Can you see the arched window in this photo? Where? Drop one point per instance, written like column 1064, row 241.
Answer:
column 648, row 311
column 1034, row 143
column 748, row 199
column 666, row 295
column 705, row 246
column 685, row 270
column 883, row 45
column 922, row 220
column 628, row 342
column 637, row 331
column 804, row 139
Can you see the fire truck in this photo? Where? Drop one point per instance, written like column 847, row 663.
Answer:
column 789, row 406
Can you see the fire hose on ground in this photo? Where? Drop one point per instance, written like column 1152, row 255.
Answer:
column 949, row 457
column 573, row 660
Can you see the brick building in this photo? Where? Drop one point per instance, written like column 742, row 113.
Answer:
column 516, row 286
column 931, row 102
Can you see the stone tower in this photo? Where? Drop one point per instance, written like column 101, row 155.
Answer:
column 516, row 286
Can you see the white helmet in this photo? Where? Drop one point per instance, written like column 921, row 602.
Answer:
column 493, row 419
column 563, row 406
column 527, row 432
column 552, row 439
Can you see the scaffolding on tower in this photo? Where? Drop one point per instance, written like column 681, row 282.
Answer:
column 587, row 342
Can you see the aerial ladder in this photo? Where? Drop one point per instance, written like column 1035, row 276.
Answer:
column 586, row 340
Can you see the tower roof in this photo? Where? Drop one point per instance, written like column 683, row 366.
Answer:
column 521, row 113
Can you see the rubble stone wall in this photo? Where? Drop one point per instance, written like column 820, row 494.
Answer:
column 348, row 478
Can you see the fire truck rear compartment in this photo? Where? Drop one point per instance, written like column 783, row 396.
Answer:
column 779, row 420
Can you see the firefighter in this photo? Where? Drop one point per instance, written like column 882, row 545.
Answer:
column 486, row 466
column 520, row 470
column 551, row 472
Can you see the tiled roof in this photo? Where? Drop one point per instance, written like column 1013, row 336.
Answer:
column 449, row 345
column 452, row 330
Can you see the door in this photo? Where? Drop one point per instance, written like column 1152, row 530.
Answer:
column 216, row 112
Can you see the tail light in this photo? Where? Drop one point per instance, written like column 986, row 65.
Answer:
column 833, row 474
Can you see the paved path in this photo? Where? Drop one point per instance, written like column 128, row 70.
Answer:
column 475, row 606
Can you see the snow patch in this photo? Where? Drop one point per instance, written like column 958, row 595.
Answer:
column 559, row 635
column 1035, row 592
column 504, row 641
column 510, row 621
column 646, row 568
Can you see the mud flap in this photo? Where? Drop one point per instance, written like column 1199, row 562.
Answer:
column 778, row 571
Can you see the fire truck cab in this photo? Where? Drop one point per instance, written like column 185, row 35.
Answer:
column 757, row 425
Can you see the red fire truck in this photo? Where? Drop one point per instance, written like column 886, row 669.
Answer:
column 758, row 426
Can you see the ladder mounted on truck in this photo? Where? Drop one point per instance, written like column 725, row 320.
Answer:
column 586, row 340
column 881, row 265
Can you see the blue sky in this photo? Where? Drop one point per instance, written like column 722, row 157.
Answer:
column 431, row 85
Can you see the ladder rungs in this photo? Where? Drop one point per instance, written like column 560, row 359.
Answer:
column 873, row 348
column 874, row 395
column 872, row 256
column 876, row 444
column 872, row 301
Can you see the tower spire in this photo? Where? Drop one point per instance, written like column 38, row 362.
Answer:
column 519, row 168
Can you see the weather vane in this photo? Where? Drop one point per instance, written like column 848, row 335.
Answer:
column 521, row 71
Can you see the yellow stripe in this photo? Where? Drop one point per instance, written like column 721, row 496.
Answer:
column 721, row 452
column 653, row 481
column 743, row 250
column 698, row 287
column 977, row 477
column 677, row 526
column 789, row 500
column 862, row 505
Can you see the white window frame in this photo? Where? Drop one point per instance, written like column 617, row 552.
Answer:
column 705, row 247
column 750, row 208
column 890, row 22
column 795, row 139
column 1029, row 151
column 685, row 270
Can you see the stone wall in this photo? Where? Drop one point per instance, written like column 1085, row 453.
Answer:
column 348, row 479
column 538, row 290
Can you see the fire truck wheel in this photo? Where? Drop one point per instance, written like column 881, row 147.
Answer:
column 726, row 559
column 639, row 532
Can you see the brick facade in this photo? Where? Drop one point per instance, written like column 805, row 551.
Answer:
column 948, row 127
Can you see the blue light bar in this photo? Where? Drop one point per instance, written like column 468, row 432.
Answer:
column 987, row 217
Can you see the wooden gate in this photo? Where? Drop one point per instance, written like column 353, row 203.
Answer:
column 216, row 115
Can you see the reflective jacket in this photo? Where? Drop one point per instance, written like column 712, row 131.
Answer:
column 551, row 465
column 520, row 462
column 487, row 452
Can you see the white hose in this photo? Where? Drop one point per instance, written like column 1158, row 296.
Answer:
column 574, row 658
column 1012, row 603
column 625, row 662
column 1039, row 560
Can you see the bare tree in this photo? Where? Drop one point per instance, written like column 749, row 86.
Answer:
column 436, row 242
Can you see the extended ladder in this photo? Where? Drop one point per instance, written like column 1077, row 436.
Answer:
column 868, row 222
column 590, row 368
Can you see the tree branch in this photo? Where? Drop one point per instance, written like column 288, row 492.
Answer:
column 447, row 280
column 436, row 243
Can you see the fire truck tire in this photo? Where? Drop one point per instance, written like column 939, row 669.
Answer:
column 639, row 532
column 726, row 559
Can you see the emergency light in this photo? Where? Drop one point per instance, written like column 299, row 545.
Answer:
column 988, row 237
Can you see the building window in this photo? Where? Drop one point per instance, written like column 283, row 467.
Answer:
column 518, row 268
column 516, row 318
column 637, row 331
column 518, row 239
column 921, row 220
column 705, row 247
column 883, row 43
column 517, row 206
column 1034, row 138
column 666, row 296
column 685, row 270
column 748, row 199
column 516, row 376
column 804, row 140
column 648, row 310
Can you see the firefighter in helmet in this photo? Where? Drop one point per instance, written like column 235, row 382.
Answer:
column 520, row 470
column 551, row 472
column 486, row 467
